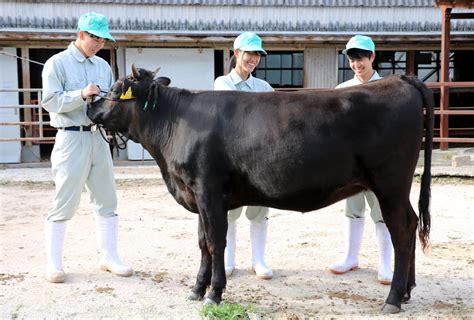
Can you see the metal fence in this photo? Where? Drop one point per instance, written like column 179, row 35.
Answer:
column 33, row 124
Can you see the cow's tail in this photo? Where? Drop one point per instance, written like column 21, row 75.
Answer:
column 425, row 190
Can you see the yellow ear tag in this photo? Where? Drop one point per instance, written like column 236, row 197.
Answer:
column 127, row 95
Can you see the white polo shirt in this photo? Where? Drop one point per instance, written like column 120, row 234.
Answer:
column 233, row 81
column 355, row 81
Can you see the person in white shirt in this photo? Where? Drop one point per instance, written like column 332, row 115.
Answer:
column 80, row 155
column 360, row 51
column 247, row 52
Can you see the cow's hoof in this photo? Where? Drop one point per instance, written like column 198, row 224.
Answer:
column 192, row 296
column 209, row 302
column 406, row 298
column 390, row 309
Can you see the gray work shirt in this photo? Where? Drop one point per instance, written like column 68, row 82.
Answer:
column 64, row 75
column 233, row 81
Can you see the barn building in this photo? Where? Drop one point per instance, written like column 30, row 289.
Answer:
column 191, row 40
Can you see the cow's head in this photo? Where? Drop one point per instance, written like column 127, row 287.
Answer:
column 125, row 99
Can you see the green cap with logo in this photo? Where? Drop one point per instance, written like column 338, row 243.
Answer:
column 96, row 24
column 360, row 42
column 249, row 41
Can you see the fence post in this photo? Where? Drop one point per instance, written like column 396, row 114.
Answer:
column 25, row 73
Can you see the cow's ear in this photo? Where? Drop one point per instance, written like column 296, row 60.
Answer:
column 127, row 90
column 163, row 81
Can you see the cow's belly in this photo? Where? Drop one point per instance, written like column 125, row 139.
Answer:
column 182, row 193
column 311, row 199
column 314, row 199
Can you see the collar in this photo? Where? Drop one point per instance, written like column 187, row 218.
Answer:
column 236, row 79
column 375, row 76
column 78, row 55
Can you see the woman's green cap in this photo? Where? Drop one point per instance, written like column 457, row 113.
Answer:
column 249, row 41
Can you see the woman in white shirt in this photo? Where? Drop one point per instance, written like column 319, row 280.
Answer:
column 247, row 52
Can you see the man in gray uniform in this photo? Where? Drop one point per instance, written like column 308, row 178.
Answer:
column 80, row 156
column 360, row 51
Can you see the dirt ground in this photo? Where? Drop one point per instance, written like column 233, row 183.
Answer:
column 158, row 238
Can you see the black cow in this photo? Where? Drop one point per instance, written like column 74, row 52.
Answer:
column 301, row 151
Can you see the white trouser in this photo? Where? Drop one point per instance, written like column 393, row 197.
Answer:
column 78, row 159
column 355, row 206
column 256, row 214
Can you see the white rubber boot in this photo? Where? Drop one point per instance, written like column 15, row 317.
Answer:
column 355, row 229
column 384, row 242
column 258, row 237
column 229, row 254
column 54, row 233
column 107, row 235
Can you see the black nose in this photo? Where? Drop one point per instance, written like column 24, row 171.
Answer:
column 94, row 110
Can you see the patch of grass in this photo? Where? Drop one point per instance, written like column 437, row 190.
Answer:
column 227, row 311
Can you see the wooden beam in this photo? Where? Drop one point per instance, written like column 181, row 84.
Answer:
column 444, row 92
column 462, row 15
column 26, row 84
column 411, row 63
column 455, row 3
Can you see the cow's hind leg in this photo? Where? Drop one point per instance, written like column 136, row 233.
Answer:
column 411, row 273
column 401, row 222
column 204, row 275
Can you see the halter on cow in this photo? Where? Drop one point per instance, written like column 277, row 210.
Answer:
column 300, row 151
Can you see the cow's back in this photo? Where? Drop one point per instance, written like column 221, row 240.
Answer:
column 286, row 149
column 287, row 144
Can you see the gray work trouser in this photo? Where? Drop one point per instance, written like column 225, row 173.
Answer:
column 82, row 159
column 256, row 214
column 355, row 206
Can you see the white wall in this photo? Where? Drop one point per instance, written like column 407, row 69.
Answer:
column 10, row 152
column 320, row 67
column 189, row 68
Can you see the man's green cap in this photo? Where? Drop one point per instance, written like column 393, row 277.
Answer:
column 360, row 42
column 96, row 24
column 249, row 41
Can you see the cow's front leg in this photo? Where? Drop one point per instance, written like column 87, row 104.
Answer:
column 216, row 243
column 204, row 275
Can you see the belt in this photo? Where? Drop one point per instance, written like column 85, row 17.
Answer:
column 79, row 128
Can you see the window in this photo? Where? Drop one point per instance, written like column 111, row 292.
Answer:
column 427, row 65
column 282, row 69
column 390, row 62
column 386, row 63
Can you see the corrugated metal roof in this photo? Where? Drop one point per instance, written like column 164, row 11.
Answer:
column 234, row 25
column 325, row 3
column 165, row 23
column 212, row 20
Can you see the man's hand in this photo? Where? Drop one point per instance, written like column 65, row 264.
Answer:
column 89, row 91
